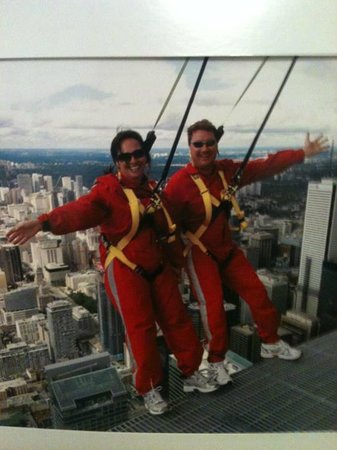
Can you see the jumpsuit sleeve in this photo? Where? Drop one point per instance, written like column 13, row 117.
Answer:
column 261, row 168
column 86, row 212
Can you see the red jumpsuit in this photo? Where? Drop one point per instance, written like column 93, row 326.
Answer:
column 140, row 302
column 227, row 264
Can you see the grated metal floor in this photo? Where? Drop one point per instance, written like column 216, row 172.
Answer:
column 271, row 396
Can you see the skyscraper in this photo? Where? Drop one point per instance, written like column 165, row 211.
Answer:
column 110, row 324
column 62, row 331
column 10, row 263
column 319, row 242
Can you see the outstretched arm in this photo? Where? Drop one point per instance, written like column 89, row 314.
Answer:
column 318, row 145
column 23, row 231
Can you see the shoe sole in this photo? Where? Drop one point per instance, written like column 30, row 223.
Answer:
column 270, row 356
column 224, row 384
column 203, row 391
column 155, row 413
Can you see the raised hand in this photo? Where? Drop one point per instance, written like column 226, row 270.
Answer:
column 23, row 231
column 318, row 145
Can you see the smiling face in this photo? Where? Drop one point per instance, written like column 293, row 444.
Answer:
column 203, row 150
column 132, row 167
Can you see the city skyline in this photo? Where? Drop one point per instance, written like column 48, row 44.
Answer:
column 81, row 103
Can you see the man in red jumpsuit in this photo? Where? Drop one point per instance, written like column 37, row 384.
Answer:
column 213, row 258
column 138, row 279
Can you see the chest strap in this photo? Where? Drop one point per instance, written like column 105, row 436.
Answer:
column 137, row 209
column 209, row 200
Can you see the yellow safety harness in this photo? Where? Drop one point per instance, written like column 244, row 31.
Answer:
column 209, row 200
column 137, row 210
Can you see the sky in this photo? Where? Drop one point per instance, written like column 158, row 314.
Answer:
column 80, row 103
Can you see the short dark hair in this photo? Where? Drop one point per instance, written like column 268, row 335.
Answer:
column 122, row 136
column 204, row 125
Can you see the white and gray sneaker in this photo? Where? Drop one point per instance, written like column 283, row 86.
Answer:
column 280, row 350
column 202, row 381
column 222, row 377
column 154, row 402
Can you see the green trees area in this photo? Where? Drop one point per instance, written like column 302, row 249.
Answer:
column 84, row 300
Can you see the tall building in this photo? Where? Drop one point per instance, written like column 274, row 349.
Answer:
column 78, row 186
column 111, row 327
column 62, row 330
column 327, row 305
column 319, row 242
column 37, row 182
column 24, row 181
column 48, row 183
column 277, row 288
column 10, row 263
column 245, row 341
column 86, row 394
column 263, row 241
column 24, row 297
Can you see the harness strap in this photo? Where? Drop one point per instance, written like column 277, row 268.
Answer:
column 136, row 209
column 231, row 197
column 209, row 200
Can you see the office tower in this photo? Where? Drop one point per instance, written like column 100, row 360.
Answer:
column 13, row 360
column 291, row 248
column 277, row 288
column 48, row 183
column 303, row 326
column 19, row 211
column 86, row 394
column 28, row 329
column 62, row 332
column 25, row 182
column 3, row 282
column 80, row 254
column 55, row 273
column 245, row 341
column 40, row 202
column 319, row 242
column 74, row 279
column 67, row 183
column 263, row 241
column 38, row 356
column 37, row 182
column 78, row 186
column 10, row 263
column 21, row 298
column 46, row 251
column 327, row 305
column 84, row 322
column 110, row 324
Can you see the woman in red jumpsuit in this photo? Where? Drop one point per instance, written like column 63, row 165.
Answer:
column 138, row 280
column 213, row 258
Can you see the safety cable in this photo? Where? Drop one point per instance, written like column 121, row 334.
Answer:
column 181, row 127
column 171, row 93
column 247, row 87
column 151, row 136
column 237, row 176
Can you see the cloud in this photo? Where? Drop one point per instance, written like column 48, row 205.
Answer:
column 6, row 123
column 77, row 92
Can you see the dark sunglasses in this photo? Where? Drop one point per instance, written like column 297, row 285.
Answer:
column 126, row 157
column 199, row 144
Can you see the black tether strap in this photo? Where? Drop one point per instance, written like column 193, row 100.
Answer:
column 181, row 128
column 237, row 176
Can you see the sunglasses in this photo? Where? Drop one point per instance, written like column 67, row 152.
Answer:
column 200, row 144
column 126, row 157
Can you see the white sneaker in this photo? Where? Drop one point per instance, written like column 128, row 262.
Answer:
column 154, row 402
column 202, row 381
column 280, row 349
column 222, row 377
